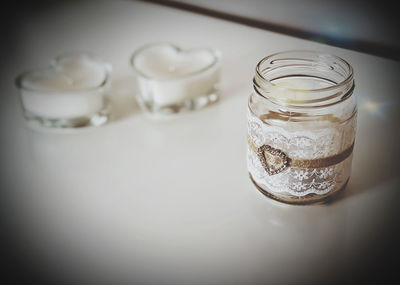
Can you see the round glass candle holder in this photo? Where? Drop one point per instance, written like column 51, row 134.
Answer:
column 72, row 92
column 301, row 126
column 172, row 80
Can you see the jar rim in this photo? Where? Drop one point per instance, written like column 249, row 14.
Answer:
column 344, row 82
column 318, row 65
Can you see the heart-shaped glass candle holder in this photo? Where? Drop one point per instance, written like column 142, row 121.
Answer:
column 172, row 80
column 71, row 92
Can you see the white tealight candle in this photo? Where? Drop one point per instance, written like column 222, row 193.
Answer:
column 70, row 93
column 171, row 79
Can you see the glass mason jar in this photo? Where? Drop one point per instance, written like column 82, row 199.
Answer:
column 301, row 126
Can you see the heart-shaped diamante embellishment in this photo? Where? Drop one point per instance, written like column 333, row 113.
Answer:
column 273, row 160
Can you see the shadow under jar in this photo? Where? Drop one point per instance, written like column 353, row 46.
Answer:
column 301, row 126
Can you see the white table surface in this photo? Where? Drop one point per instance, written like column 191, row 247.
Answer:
column 170, row 202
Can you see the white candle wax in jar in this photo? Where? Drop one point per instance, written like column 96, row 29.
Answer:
column 172, row 79
column 295, row 89
column 73, row 90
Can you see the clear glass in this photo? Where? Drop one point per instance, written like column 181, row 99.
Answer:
column 172, row 80
column 301, row 126
column 72, row 92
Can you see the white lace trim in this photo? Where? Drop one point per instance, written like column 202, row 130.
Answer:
column 306, row 144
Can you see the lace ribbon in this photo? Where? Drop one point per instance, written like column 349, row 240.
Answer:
column 275, row 160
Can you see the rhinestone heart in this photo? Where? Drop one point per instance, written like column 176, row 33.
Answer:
column 273, row 160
